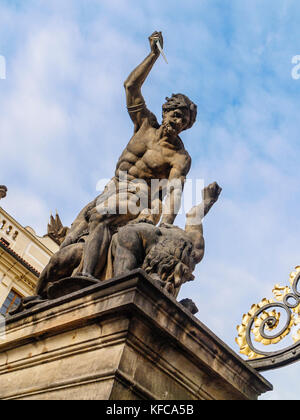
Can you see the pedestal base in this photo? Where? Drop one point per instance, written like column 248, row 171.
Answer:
column 123, row 339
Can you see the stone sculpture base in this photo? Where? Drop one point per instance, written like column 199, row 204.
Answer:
column 123, row 339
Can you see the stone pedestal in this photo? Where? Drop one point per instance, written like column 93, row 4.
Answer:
column 123, row 339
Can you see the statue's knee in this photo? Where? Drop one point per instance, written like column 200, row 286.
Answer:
column 127, row 237
column 53, row 263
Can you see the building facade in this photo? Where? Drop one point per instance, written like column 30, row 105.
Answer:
column 23, row 255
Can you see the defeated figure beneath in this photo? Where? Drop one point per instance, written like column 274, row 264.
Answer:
column 167, row 253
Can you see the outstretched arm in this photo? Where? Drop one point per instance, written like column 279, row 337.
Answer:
column 194, row 217
column 133, row 84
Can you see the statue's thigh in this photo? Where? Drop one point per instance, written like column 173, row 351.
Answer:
column 70, row 255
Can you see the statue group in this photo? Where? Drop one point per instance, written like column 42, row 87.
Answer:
column 130, row 224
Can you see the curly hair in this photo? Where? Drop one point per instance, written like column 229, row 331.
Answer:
column 166, row 256
column 178, row 100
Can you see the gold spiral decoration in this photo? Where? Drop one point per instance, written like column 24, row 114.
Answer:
column 268, row 319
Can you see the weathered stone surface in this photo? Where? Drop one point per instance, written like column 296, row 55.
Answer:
column 136, row 192
column 125, row 338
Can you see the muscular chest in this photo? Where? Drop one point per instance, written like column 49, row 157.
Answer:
column 152, row 158
column 157, row 161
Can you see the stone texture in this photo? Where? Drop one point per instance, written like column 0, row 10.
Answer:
column 123, row 339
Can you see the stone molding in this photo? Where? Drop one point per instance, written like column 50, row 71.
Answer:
column 125, row 338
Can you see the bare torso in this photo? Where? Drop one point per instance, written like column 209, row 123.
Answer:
column 149, row 155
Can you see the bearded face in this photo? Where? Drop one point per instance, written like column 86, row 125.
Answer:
column 175, row 121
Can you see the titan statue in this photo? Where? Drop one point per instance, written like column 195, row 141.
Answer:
column 130, row 224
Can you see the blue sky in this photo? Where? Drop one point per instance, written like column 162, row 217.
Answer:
column 63, row 125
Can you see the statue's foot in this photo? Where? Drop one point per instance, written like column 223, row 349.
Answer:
column 70, row 285
column 189, row 305
column 27, row 303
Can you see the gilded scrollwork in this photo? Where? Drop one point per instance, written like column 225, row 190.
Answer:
column 263, row 320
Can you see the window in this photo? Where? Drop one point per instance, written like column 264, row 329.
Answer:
column 8, row 230
column 12, row 301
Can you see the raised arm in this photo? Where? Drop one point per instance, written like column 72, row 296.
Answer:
column 135, row 102
column 194, row 217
